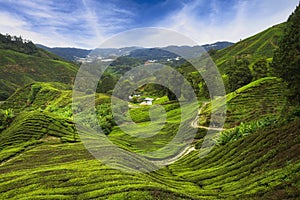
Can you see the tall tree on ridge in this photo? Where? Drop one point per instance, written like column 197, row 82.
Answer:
column 286, row 62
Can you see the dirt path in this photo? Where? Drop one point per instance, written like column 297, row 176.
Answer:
column 169, row 161
column 195, row 124
column 190, row 148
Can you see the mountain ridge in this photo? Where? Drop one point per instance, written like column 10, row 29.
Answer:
column 72, row 54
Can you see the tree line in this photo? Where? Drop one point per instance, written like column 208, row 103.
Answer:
column 17, row 44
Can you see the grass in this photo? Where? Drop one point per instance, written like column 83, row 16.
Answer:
column 71, row 172
column 32, row 128
column 256, row 166
column 42, row 156
column 248, row 128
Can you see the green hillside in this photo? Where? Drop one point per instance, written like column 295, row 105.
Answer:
column 38, row 95
column 20, row 66
column 264, row 167
column 240, row 64
column 38, row 112
column 42, row 156
column 261, row 45
column 261, row 98
column 32, row 128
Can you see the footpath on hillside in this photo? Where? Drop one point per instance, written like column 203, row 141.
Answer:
column 191, row 147
column 195, row 124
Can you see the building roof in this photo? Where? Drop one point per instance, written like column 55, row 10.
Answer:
column 148, row 99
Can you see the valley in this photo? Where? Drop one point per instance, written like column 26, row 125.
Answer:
column 254, row 154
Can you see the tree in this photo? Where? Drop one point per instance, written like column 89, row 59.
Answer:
column 106, row 83
column 260, row 69
column 17, row 44
column 286, row 61
column 213, row 82
column 195, row 78
column 238, row 73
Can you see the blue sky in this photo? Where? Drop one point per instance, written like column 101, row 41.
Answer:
column 87, row 23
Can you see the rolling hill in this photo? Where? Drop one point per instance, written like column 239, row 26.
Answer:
column 18, row 69
column 259, row 46
column 264, row 97
column 73, row 54
column 42, row 157
column 67, row 53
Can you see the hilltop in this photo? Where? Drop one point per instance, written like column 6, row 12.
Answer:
column 259, row 46
column 70, row 54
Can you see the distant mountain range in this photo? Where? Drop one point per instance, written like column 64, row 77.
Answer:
column 74, row 54
column 67, row 53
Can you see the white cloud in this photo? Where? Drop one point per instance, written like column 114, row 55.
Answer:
column 147, row 37
column 81, row 24
column 8, row 21
column 248, row 18
column 14, row 26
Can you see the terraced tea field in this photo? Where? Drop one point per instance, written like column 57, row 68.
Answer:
column 42, row 156
column 264, row 97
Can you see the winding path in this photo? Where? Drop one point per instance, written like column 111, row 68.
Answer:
column 189, row 148
column 169, row 161
column 195, row 124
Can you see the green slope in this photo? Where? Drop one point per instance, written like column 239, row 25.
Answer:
column 39, row 95
column 263, row 165
column 32, row 128
column 261, row 45
column 18, row 69
column 264, row 97
column 42, row 112
column 259, row 166
column 61, row 171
